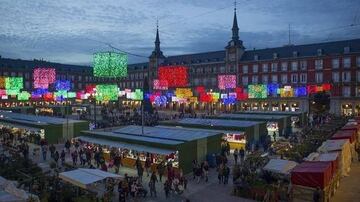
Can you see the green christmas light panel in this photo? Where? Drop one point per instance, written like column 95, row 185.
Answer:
column 110, row 64
column 14, row 83
column 23, row 96
column 107, row 92
column 257, row 91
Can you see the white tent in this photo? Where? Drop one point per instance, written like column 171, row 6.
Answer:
column 343, row 147
column 84, row 177
column 10, row 193
column 280, row 166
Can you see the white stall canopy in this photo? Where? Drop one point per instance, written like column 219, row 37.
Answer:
column 280, row 166
column 84, row 177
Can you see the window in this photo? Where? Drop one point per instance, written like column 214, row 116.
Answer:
column 275, row 55
column 27, row 85
column 256, row 57
column 232, row 68
column 346, row 91
column 303, row 64
column 79, row 85
column 294, row 66
column 13, row 74
column 222, row 69
column 213, row 81
column 318, row 64
column 27, row 75
column 284, row 66
column 346, row 77
column 335, row 77
column 303, row 78
column 347, row 49
column 265, row 67
column 255, row 68
column 295, row 54
column 335, row 63
column 265, row 78
column 319, row 52
column 255, row 79
column 358, row 76
column 347, row 62
column 274, row 78
column 79, row 78
column 196, row 81
column 5, row 73
column 274, row 67
column 245, row 69
column 319, row 77
column 284, row 78
column 245, row 80
column 358, row 61
column 294, row 78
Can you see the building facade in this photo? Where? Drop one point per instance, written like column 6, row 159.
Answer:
column 336, row 63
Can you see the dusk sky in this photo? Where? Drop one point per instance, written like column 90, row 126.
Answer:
column 70, row 31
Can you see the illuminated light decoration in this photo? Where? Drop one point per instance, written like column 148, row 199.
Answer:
column 14, row 83
column 12, row 91
column 176, row 76
column 160, row 84
column 300, row 91
column 287, row 91
column 122, row 93
column 90, row 88
column 311, row 89
column 160, row 100
column 229, row 100
column 179, row 100
column 257, row 91
column 152, row 96
column 60, row 95
column 273, row 89
column 71, row 94
column 232, row 95
column 200, row 89
column 40, row 91
column 223, row 95
column 2, row 82
column 105, row 92
column 23, row 96
column 241, row 93
column 183, row 93
column 81, row 95
column 226, row 81
column 62, row 85
column 4, row 97
column 48, row 96
column 319, row 89
column 35, row 95
column 214, row 96
column 193, row 99
column 110, row 64
column 2, row 92
column 204, row 97
column 326, row 87
column 43, row 77
column 138, row 94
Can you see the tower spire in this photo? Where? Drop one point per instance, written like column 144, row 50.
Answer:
column 157, row 51
column 235, row 28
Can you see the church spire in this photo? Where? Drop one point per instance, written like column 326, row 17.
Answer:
column 157, row 51
column 235, row 28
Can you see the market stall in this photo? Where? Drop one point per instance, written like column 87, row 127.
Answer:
column 236, row 140
column 52, row 129
column 342, row 146
column 183, row 145
column 353, row 126
column 308, row 176
column 254, row 131
column 280, row 166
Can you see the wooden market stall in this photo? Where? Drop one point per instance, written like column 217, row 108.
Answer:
column 252, row 130
column 54, row 130
column 297, row 116
column 180, row 146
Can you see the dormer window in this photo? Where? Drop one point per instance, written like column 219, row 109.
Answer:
column 319, row 52
column 275, row 55
column 295, row 54
column 347, row 49
column 256, row 57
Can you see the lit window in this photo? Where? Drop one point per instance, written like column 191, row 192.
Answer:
column 255, row 68
column 294, row 78
column 347, row 62
column 346, row 77
column 335, row 77
column 274, row 78
column 318, row 64
column 265, row 78
column 284, row 78
column 303, row 78
column 284, row 66
column 245, row 80
column 294, row 66
column 245, row 69
column 265, row 67
column 303, row 65
column 274, row 67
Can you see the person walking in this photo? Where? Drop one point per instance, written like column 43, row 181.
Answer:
column 67, row 146
column 152, row 188
column 161, row 170
column 221, row 173
column 206, row 171
column 236, row 155
column 242, row 155
column 226, row 174
column 140, row 172
column 62, row 156
column 122, row 195
column 52, row 150
column 56, row 157
column 147, row 165
column 44, row 152
column 167, row 188
column 74, row 156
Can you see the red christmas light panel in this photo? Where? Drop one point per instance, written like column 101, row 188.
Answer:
column 176, row 76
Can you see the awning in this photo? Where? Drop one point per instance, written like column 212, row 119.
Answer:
column 139, row 148
column 20, row 126
column 83, row 177
column 280, row 166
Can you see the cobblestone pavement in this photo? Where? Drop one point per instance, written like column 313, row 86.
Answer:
column 198, row 192
column 349, row 189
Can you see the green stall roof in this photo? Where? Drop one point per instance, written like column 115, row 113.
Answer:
column 254, row 116
column 219, row 122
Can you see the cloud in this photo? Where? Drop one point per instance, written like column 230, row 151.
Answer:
column 69, row 31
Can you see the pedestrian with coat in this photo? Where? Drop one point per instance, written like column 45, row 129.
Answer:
column 62, row 157
column 236, row 155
